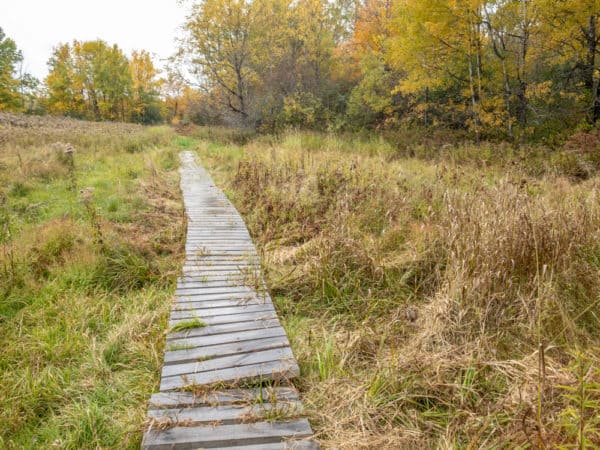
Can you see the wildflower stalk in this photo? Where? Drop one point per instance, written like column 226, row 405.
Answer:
column 87, row 198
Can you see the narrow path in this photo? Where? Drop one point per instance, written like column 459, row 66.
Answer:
column 227, row 359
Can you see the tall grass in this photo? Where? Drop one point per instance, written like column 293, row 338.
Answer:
column 432, row 302
column 86, row 281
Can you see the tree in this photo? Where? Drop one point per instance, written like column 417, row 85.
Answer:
column 10, row 57
column 97, row 81
column 145, row 107
column 571, row 30
column 218, row 44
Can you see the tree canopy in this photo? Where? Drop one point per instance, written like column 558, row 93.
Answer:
column 503, row 68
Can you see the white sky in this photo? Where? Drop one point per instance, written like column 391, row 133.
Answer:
column 39, row 25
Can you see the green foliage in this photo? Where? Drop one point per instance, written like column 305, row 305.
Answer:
column 16, row 89
column 187, row 325
column 580, row 419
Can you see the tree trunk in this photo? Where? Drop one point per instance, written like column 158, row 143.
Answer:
column 507, row 100
column 425, row 114
column 95, row 106
column 473, row 100
column 590, row 80
column 522, row 105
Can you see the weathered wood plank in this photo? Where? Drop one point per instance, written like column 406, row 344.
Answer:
column 178, row 438
column 255, row 355
column 225, row 328
column 219, row 339
column 273, row 370
column 200, row 297
column 232, row 318
column 225, row 397
column 205, row 352
column 227, row 282
column 214, row 290
column 223, row 311
column 210, row 304
column 225, row 414
column 288, row 445
column 224, row 283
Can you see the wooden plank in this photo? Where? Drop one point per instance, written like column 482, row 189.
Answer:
column 288, row 445
column 162, row 400
column 203, row 251
column 196, row 271
column 219, row 276
column 222, row 282
column 232, row 318
column 209, row 304
column 240, row 296
column 225, row 328
column 220, row 339
column 273, row 370
column 239, row 360
column 199, row 266
column 233, row 300
column 205, row 352
column 214, row 290
column 197, row 295
column 225, row 282
column 223, row 311
column 178, row 438
column 232, row 258
column 225, row 414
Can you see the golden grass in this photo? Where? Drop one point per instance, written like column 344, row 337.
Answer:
column 431, row 304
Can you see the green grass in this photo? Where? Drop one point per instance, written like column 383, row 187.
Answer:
column 82, row 323
column 187, row 325
column 176, row 347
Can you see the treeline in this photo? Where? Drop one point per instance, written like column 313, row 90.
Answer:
column 503, row 68
column 17, row 89
column 506, row 69
column 93, row 80
column 87, row 80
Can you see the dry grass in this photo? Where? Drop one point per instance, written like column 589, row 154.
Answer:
column 431, row 304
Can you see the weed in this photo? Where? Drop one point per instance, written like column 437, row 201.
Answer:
column 580, row 419
column 87, row 198
column 187, row 325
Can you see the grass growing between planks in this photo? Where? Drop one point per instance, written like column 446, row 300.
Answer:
column 90, row 245
column 187, row 325
column 449, row 300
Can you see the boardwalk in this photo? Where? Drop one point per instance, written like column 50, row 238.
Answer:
column 227, row 359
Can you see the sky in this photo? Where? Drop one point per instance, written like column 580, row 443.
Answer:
column 37, row 26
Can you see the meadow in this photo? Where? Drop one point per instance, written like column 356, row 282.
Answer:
column 437, row 295
column 91, row 239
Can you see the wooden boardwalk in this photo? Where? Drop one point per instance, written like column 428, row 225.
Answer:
column 227, row 358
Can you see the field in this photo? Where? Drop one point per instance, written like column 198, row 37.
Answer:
column 448, row 299
column 90, row 246
column 436, row 296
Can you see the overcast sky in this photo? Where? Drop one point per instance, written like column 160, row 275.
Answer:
column 39, row 25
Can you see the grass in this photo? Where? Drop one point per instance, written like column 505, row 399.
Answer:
column 89, row 252
column 436, row 295
column 187, row 325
